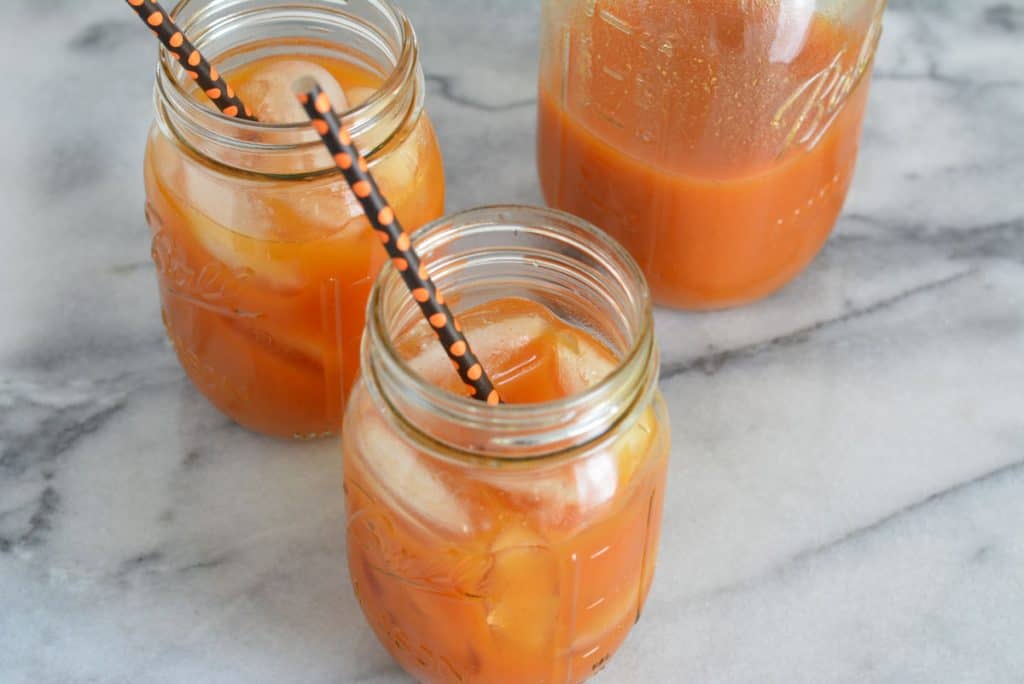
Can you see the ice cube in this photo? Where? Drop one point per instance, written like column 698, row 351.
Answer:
column 398, row 172
column 633, row 447
column 494, row 340
column 269, row 94
column 222, row 215
column 562, row 497
column 521, row 591
column 238, row 220
column 406, row 481
column 242, row 253
column 357, row 95
column 311, row 210
column 582, row 363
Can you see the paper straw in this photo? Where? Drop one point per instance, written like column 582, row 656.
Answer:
column 195, row 65
column 397, row 242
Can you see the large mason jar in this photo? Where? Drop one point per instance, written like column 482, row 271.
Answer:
column 715, row 139
column 509, row 543
column 264, row 258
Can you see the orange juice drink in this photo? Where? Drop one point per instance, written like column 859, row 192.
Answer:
column 716, row 139
column 514, row 543
column 263, row 256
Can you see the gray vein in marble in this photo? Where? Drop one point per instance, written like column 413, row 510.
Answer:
column 710, row 363
column 1005, row 16
column 999, row 240
column 52, row 437
column 934, row 75
column 47, row 505
column 31, row 531
column 207, row 564
column 104, row 36
column 445, row 87
column 36, row 443
column 131, row 267
column 142, row 560
column 192, row 458
column 1008, row 472
column 157, row 562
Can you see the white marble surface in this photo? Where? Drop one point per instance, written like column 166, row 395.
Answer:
column 847, row 483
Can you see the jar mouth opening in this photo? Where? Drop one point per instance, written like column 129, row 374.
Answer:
column 585, row 415
column 396, row 39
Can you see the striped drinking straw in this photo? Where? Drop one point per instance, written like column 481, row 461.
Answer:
column 382, row 217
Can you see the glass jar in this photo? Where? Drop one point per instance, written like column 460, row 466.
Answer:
column 513, row 542
column 263, row 256
column 715, row 139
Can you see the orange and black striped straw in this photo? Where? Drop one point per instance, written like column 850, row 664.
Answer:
column 397, row 242
column 195, row 65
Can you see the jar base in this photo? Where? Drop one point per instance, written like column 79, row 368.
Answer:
column 689, row 300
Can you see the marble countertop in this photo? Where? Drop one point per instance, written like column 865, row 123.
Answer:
column 846, row 495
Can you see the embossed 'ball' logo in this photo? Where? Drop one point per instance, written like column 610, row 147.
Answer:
column 809, row 111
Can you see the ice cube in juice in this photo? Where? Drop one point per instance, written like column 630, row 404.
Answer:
column 506, row 572
column 268, row 88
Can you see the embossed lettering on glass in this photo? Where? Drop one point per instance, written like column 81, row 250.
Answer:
column 513, row 543
column 716, row 139
column 264, row 259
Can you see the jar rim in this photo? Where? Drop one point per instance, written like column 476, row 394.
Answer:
column 635, row 369
column 219, row 129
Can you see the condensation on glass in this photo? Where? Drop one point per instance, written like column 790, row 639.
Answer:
column 716, row 139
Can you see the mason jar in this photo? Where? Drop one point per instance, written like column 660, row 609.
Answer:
column 264, row 258
column 716, row 139
column 509, row 543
